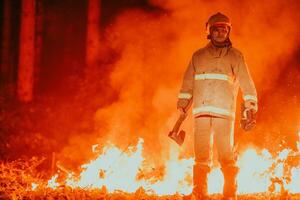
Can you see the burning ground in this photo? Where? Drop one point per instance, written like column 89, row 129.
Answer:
column 133, row 94
column 114, row 173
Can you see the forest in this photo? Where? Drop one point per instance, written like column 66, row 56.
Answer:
column 82, row 79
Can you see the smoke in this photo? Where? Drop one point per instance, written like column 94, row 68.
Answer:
column 155, row 48
column 151, row 57
column 264, row 31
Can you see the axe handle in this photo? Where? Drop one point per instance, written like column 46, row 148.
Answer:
column 179, row 122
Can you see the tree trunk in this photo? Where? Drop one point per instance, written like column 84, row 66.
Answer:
column 6, row 68
column 39, row 17
column 93, row 36
column 26, row 54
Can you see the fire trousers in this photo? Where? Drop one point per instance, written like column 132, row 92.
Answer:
column 222, row 131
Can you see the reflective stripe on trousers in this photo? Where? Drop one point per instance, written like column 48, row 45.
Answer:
column 212, row 109
column 222, row 132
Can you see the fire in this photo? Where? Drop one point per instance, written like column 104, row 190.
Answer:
column 125, row 170
column 114, row 169
column 298, row 142
column 252, row 165
column 52, row 183
column 215, row 181
column 176, row 177
column 118, row 170
column 34, row 186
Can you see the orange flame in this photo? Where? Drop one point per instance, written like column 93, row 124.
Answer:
column 52, row 183
column 116, row 170
column 298, row 142
column 34, row 186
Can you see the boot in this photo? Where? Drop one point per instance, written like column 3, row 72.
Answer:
column 200, row 181
column 230, row 184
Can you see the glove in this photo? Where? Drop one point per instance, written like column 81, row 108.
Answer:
column 183, row 104
column 248, row 118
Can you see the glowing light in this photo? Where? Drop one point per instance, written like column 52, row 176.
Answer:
column 294, row 187
column 251, row 177
column 52, row 182
column 94, row 148
column 175, row 180
column 115, row 169
column 215, row 181
column 298, row 142
column 34, row 186
column 284, row 154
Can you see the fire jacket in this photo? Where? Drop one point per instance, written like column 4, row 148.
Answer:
column 212, row 80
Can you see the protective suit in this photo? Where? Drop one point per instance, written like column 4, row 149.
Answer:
column 211, row 81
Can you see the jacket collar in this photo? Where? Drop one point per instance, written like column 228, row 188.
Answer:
column 217, row 52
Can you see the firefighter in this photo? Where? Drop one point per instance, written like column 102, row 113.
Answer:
column 211, row 81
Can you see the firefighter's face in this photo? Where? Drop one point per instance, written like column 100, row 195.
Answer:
column 219, row 33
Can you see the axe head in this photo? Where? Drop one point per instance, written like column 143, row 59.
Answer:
column 177, row 137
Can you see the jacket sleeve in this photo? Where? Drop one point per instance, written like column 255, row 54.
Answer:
column 247, row 85
column 185, row 96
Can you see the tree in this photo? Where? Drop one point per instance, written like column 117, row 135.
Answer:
column 93, row 35
column 39, row 19
column 26, row 53
column 6, row 68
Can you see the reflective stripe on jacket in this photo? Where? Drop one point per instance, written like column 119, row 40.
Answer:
column 212, row 80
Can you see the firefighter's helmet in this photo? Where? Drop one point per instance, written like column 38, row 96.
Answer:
column 217, row 19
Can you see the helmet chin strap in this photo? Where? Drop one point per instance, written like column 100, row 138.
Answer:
column 226, row 43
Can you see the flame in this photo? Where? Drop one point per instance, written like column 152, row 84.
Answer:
column 252, row 165
column 125, row 170
column 34, row 186
column 114, row 169
column 298, row 142
column 176, row 177
column 94, row 148
column 294, row 187
column 215, row 181
column 52, row 183
column 117, row 170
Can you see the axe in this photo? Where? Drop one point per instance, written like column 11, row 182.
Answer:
column 174, row 135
